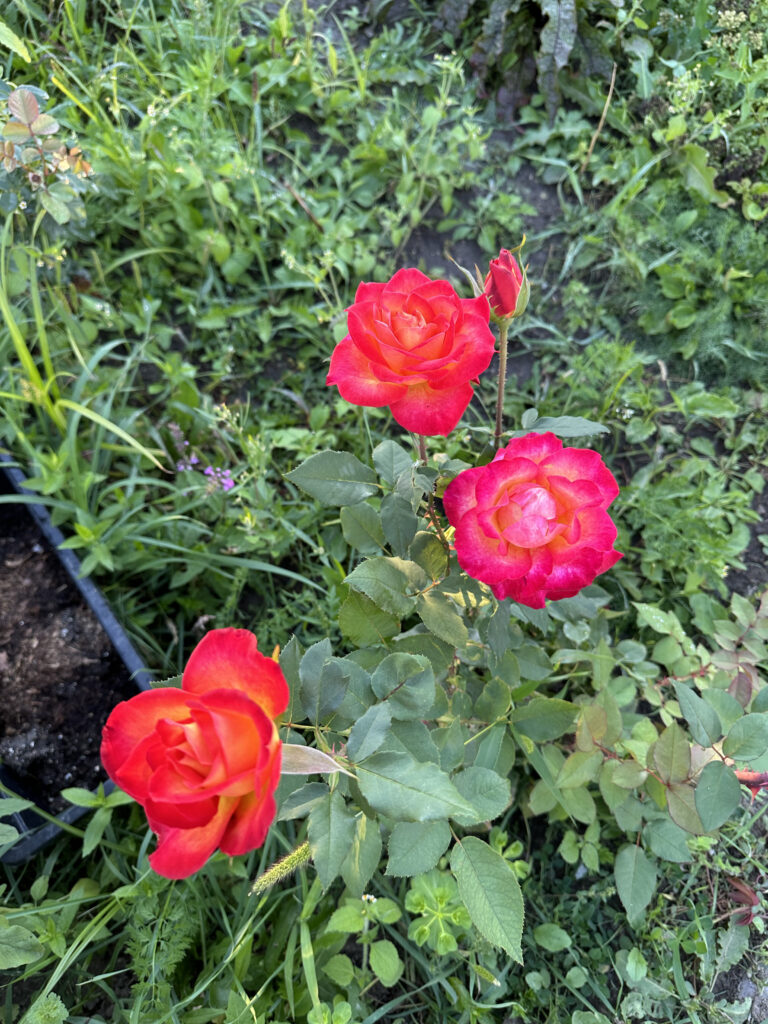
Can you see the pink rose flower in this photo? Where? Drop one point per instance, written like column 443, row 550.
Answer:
column 415, row 346
column 532, row 524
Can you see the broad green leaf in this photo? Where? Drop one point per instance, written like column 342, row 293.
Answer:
column 439, row 615
column 290, row 660
column 363, row 622
column 698, row 175
column 636, row 880
column 416, row 847
column 300, row 802
column 399, row 523
column 551, row 937
column 667, row 840
column 578, row 803
column 390, row 460
column 323, row 681
column 331, row 831
column 489, row 889
column 340, row 970
column 385, row 962
column 747, row 739
column 569, row 426
column 407, row 682
column 57, row 209
column 13, row 805
column 681, row 802
column 727, row 707
column 82, row 797
column 8, row 834
column 660, row 621
column 428, row 552
column 717, row 795
column 544, row 718
column 407, row 790
column 364, row 855
column 493, row 702
column 391, row 583
column 495, row 750
column 368, row 732
column 18, row 946
column 335, row 478
column 361, row 526
column 579, row 769
column 702, row 719
column 732, row 945
column 349, row 918
column 642, row 48
column 440, row 654
column 484, row 790
column 533, row 662
column 414, row 738
column 672, row 754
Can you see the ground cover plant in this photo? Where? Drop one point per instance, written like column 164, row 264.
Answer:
column 523, row 778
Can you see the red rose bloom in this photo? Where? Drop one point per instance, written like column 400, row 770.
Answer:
column 415, row 346
column 533, row 523
column 204, row 761
column 506, row 286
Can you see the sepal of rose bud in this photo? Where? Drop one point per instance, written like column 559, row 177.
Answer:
column 506, row 286
column 478, row 286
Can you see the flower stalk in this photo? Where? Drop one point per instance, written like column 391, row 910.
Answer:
column 503, row 331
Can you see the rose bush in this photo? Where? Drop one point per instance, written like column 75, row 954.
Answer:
column 533, row 523
column 415, row 346
column 203, row 760
column 506, row 286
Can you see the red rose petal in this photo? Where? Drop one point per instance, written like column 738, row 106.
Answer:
column 230, row 658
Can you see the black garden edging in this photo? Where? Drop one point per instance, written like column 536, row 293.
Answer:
column 35, row 831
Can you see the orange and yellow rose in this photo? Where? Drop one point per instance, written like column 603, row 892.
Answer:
column 203, row 760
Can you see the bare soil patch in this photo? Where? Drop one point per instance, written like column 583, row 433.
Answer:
column 59, row 674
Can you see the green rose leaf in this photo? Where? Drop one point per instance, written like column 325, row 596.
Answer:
column 407, row 682
column 416, row 847
column 335, row 478
column 368, row 732
column 390, row 583
column 636, row 880
column 747, row 739
column 544, row 718
column 407, row 790
column 489, row 889
column 717, row 795
column 701, row 717
column 672, row 754
column 331, row 832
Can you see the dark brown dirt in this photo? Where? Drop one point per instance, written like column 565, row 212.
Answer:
column 59, row 675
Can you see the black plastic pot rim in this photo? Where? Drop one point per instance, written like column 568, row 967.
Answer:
column 35, row 837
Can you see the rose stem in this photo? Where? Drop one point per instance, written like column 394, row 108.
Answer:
column 503, row 328
column 423, row 449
